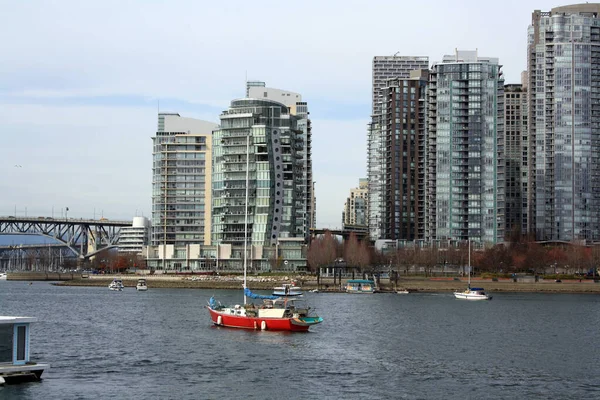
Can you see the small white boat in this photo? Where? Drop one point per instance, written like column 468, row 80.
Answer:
column 141, row 285
column 473, row 294
column 15, row 363
column 403, row 291
column 3, row 276
column 116, row 284
column 288, row 289
column 314, row 291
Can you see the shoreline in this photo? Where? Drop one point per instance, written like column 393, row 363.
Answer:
column 413, row 285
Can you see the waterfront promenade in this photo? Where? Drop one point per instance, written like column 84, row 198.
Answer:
column 413, row 284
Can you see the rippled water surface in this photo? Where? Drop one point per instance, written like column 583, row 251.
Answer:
column 160, row 344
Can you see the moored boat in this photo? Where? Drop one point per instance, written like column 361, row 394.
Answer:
column 116, row 284
column 278, row 314
column 141, row 286
column 288, row 289
column 15, row 363
column 472, row 293
column 402, row 291
column 3, row 276
column 360, row 286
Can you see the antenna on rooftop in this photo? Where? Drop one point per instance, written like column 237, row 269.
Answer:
column 395, row 54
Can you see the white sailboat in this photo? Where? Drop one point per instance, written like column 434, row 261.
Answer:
column 472, row 293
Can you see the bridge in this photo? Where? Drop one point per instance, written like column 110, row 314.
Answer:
column 360, row 232
column 83, row 237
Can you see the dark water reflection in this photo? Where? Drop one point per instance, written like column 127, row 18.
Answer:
column 160, row 344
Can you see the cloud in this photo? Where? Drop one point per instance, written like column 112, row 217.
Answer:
column 79, row 82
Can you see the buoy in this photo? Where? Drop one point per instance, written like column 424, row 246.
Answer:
column 219, row 320
column 263, row 326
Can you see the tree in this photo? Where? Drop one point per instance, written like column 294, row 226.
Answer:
column 352, row 251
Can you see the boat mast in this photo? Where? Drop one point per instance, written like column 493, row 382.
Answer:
column 246, row 213
column 469, row 263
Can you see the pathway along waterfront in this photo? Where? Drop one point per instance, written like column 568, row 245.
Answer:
column 414, row 284
column 161, row 344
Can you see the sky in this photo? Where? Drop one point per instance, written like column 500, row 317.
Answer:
column 80, row 83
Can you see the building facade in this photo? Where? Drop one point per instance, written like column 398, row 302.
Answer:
column 516, row 156
column 390, row 67
column 258, row 156
column 403, row 129
column 298, row 108
column 384, row 69
column 355, row 208
column 564, row 122
column 466, row 149
column 133, row 239
column 181, row 181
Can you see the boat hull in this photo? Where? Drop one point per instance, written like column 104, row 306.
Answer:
column 471, row 296
column 270, row 324
column 291, row 294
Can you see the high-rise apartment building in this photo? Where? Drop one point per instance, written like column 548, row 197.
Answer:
column 389, row 67
column 384, row 69
column 564, row 122
column 355, row 208
column 181, row 181
column 297, row 108
column 259, row 152
column 466, row 149
column 403, row 129
column 516, row 156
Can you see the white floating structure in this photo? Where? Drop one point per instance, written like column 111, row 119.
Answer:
column 15, row 364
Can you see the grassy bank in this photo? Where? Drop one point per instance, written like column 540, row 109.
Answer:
column 413, row 284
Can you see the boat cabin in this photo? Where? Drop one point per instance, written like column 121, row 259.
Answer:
column 15, row 364
column 360, row 286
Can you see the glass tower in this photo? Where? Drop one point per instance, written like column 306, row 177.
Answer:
column 564, row 122
column 465, row 149
column 259, row 139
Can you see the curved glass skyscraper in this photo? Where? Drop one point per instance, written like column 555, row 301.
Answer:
column 263, row 138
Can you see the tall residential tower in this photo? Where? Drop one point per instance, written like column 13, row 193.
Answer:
column 181, row 184
column 384, row 69
column 465, row 149
column 564, row 122
column 259, row 152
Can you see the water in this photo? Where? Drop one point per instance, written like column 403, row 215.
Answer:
column 160, row 344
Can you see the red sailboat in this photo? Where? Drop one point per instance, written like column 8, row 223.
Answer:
column 275, row 313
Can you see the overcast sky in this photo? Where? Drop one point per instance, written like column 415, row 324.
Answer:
column 80, row 80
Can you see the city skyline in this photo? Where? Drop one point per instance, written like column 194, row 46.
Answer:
column 78, row 100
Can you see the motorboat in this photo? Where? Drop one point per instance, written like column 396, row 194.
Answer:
column 141, row 285
column 288, row 289
column 3, row 276
column 15, row 363
column 116, row 284
column 402, row 291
